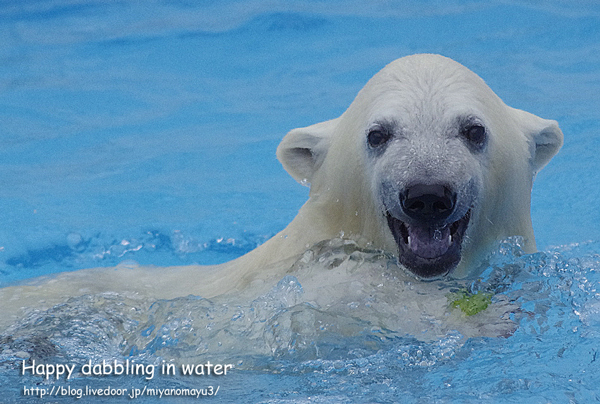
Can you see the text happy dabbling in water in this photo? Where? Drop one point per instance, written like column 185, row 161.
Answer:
column 126, row 368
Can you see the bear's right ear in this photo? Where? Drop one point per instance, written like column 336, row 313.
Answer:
column 303, row 150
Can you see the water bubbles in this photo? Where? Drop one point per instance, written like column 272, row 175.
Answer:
column 74, row 240
column 148, row 331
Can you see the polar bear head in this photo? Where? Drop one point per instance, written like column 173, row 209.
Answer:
column 427, row 163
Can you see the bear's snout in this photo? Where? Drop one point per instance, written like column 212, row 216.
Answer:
column 428, row 203
column 429, row 226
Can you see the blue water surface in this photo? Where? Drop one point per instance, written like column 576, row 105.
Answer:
column 146, row 131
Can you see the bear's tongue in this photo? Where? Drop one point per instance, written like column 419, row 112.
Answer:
column 429, row 242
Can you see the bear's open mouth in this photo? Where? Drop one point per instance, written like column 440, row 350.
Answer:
column 429, row 251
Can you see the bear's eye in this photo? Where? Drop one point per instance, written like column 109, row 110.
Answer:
column 475, row 134
column 378, row 137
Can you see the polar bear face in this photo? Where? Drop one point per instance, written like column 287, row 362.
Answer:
column 428, row 179
column 427, row 163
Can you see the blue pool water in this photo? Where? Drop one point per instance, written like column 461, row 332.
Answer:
column 146, row 132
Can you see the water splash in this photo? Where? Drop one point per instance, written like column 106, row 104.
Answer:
column 151, row 246
column 343, row 348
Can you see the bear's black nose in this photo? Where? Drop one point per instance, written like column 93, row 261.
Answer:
column 428, row 203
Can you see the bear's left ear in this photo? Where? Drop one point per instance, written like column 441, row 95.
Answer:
column 303, row 150
column 544, row 137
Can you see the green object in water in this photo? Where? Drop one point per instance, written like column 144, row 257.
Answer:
column 470, row 303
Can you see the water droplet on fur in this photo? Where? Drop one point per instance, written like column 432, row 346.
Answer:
column 127, row 264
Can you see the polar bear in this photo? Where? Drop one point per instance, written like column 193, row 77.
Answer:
column 427, row 164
